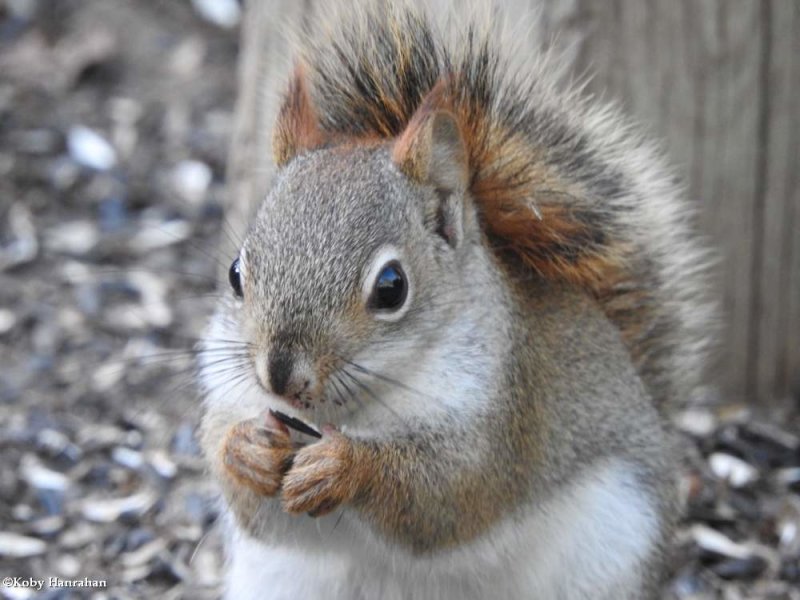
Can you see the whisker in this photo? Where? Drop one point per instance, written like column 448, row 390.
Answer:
column 348, row 389
column 189, row 242
column 387, row 379
column 356, row 398
column 125, row 270
column 340, row 399
column 230, row 233
column 236, row 378
column 336, row 524
column 193, row 340
column 373, row 395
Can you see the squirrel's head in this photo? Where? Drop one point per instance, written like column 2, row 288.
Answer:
column 360, row 256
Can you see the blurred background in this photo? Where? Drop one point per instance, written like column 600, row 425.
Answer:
column 115, row 121
column 130, row 159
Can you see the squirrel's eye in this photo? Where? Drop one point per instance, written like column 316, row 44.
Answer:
column 235, row 277
column 390, row 289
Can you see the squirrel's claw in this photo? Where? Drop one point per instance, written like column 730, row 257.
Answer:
column 322, row 476
column 257, row 453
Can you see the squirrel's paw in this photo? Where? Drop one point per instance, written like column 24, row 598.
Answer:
column 257, row 453
column 323, row 476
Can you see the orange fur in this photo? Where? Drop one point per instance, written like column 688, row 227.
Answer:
column 411, row 151
column 324, row 475
column 256, row 458
column 297, row 128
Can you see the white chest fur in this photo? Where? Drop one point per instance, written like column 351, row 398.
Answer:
column 587, row 542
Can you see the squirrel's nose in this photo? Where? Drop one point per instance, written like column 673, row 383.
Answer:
column 279, row 371
column 287, row 374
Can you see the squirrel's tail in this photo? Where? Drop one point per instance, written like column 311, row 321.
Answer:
column 560, row 181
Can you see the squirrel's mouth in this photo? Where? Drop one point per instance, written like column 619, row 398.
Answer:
column 298, row 403
column 308, row 402
column 329, row 403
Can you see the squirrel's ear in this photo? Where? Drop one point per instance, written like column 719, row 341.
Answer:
column 431, row 151
column 297, row 127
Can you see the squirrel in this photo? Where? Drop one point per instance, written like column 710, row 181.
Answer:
column 484, row 288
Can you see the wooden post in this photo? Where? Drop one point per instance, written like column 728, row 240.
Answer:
column 719, row 80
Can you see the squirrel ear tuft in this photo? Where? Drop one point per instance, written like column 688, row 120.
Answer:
column 297, row 127
column 431, row 150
